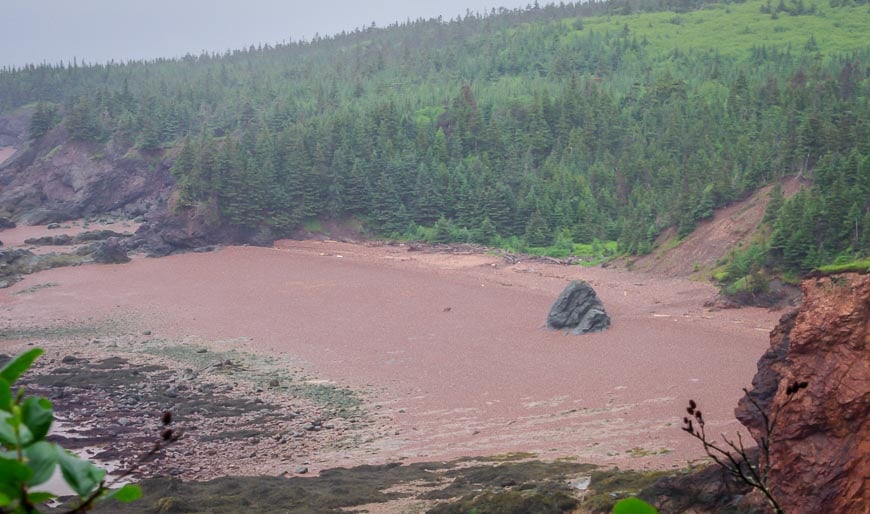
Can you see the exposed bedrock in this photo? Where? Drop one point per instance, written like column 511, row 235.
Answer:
column 820, row 450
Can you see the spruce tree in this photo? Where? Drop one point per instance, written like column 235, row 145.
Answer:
column 44, row 118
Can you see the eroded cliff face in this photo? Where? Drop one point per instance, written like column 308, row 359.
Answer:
column 820, row 450
column 56, row 179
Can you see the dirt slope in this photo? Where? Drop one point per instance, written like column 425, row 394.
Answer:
column 712, row 239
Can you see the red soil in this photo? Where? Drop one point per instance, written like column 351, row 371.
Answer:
column 452, row 349
column 701, row 251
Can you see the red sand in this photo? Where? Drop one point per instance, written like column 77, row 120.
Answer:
column 482, row 377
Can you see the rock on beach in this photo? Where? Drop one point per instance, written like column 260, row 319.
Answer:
column 579, row 310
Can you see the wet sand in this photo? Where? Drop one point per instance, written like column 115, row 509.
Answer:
column 451, row 350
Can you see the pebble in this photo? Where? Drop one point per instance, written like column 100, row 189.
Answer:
column 301, row 470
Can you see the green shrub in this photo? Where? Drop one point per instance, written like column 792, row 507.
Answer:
column 28, row 460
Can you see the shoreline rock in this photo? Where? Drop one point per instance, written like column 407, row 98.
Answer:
column 822, row 439
column 579, row 310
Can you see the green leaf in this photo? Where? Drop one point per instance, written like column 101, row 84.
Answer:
column 9, row 487
column 4, row 500
column 633, row 506
column 40, row 497
column 13, row 472
column 5, row 395
column 37, row 416
column 126, row 494
column 42, row 458
column 17, row 366
column 7, row 433
column 82, row 476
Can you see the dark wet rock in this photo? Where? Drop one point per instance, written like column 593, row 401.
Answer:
column 6, row 223
column 42, row 216
column 61, row 240
column 110, row 251
column 97, row 235
column 16, row 262
column 84, row 237
column 192, row 232
column 579, row 310
column 708, row 489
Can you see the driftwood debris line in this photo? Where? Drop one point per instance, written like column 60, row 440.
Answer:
column 470, row 249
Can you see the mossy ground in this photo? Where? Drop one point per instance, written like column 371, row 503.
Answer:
column 462, row 486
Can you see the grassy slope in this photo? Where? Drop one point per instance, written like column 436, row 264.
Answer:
column 734, row 29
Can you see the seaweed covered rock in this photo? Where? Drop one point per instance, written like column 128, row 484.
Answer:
column 110, row 251
column 579, row 310
column 60, row 240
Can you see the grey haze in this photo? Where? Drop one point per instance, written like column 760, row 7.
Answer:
column 96, row 31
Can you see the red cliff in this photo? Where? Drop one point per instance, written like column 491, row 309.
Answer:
column 820, row 449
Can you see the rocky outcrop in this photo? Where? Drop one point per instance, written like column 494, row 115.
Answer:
column 820, row 450
column 66, row 239
column 110, row 251
column 192, row 229
column 59, row 240
column 56, row 179
column 579, row 310
column 16, row 262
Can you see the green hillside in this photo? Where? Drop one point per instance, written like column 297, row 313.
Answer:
column 735, row 29
column 550, row 126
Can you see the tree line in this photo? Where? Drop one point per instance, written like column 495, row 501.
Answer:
column 521, row 124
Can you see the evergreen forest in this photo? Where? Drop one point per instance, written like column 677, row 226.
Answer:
column 548, row 126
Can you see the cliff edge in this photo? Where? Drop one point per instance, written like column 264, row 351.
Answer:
column 820, row 452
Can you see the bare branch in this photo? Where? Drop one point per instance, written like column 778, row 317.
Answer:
column 734, row 459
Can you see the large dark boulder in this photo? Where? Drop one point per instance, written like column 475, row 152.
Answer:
column 579, row 310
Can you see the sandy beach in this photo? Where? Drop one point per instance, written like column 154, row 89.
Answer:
column 449, row 351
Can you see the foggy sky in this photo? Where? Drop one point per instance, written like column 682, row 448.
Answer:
column 50, row 31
